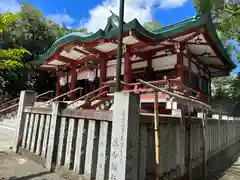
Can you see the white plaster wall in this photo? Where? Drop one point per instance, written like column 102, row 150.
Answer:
column 139, row 65
column 88, row 74
column 167, row 62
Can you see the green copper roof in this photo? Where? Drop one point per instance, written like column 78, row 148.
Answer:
column 111, row 30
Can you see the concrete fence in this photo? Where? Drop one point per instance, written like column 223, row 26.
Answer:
column 118, row 144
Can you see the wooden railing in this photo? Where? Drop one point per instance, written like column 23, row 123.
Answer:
column 90, row 96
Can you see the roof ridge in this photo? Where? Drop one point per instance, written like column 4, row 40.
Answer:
column 176, row 24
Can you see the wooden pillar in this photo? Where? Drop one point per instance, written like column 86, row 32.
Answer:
column 127, row 69
column 58, row 87
column 180, row 68
column 210, row 87
column 149, row 69
column 103, row 74
column 73, row 83
column 189, row 73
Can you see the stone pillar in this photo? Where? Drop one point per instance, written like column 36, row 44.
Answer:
column 57, row 107
column 217, row 116
column 125, row 137
column 127, row 69
column 73, row 83
column 180, row 137
column 27, row 98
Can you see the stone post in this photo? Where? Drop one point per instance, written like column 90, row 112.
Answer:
column 27, row 98
column 180, row 137
column 57, row 107
column 125, row 137
column 217, row 116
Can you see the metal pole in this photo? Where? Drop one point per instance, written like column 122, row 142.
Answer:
column 156, row 135
column 204, row 118
column 120, row 48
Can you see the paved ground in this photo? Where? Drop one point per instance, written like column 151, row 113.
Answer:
column 16, row 167
column 233, row 173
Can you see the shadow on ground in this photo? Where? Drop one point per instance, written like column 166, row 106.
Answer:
column 17, row 167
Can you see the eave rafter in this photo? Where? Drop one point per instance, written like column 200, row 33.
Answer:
column 80, row 51
column 207, row 65
column 192, row 36
column 95, row 51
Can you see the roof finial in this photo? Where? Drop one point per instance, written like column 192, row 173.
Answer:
column 112, row 12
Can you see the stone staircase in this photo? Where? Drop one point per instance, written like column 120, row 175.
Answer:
column 9, row 116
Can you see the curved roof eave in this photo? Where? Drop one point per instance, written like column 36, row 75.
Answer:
column 72, row 37
column 155, row 35
column 219, row 45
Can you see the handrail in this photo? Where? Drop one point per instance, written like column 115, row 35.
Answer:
column 183, row 98
column 10, row 101
column 138, row 83
column 40, row 95
column 86, row 95
column 51, row 100
column 10, row 107
column 15, row 105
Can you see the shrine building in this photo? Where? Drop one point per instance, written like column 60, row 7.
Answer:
column 182, row 58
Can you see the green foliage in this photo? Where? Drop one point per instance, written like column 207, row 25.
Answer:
column 226, row 16
column 10, row 58
column 24, row 34
column 226, row 90
column 6, row 19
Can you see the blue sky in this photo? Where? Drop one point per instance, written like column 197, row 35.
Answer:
column 92, row 14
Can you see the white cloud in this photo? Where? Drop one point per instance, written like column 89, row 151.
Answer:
column 140, row 9
column 9, row 6
column 61, row 19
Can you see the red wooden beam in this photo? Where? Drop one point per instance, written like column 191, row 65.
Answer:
column 127, row 69
column 64, row 59
column 80, row 51
column 96, row 51
column 191, row 37
column 153, row 57
column 153, row 51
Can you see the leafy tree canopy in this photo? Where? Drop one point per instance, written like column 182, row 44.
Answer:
column 10, row 58
column 227, row 19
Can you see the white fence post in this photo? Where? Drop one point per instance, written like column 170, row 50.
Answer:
column 57, row 107
column 125, row 137
column 27, row 98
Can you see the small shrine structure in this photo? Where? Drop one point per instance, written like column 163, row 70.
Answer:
column 182, row 58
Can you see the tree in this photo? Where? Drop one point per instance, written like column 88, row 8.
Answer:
column 10, row 58
column 226, row 17
column 36, row 34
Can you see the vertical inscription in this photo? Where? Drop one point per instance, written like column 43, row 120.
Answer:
column 123, row 145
